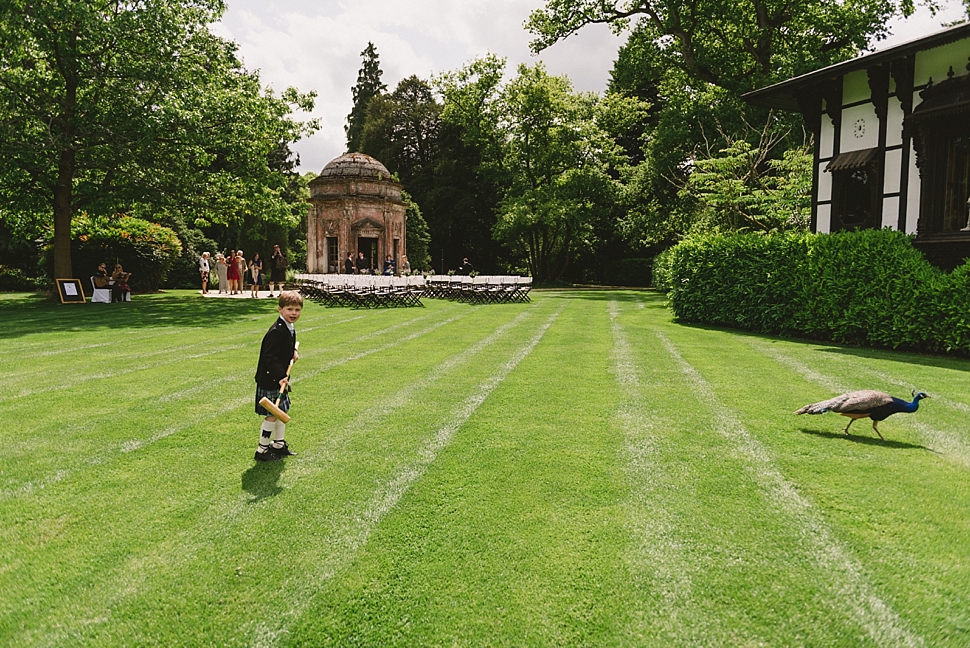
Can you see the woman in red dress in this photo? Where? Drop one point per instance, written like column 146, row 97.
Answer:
column 232, row 273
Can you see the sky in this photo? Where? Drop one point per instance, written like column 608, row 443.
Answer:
column 316, row 45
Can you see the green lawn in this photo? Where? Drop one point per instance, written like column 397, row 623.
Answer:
column 576, row 471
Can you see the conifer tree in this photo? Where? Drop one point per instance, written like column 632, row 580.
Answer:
column 368, row 86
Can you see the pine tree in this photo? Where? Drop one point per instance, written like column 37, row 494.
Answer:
column 368, row 86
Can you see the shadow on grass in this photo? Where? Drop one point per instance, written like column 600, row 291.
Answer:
column 23, row 316
column 909, row 357
column 865, row 440
column 262, row 480
column 955, row 363
column 649, row 298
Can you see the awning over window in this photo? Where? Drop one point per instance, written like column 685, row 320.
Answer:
column 852, row 160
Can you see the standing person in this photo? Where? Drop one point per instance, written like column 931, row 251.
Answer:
column 388, row 269
column 242, row 269
column 120, row 290
column 255, row 275
column 232, row 272
column 363, row 266
column 204, row 272
column 276, row 352
column 278, row 266
column 222, row 269
column 466, row 267
column 405, row 266
column 349, row 264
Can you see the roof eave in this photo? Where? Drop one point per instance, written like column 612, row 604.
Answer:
column 782, row 95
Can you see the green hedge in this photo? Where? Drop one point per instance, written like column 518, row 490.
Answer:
column 871, row 287
column 147, row 250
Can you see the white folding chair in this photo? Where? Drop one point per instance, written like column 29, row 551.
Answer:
column 100, row 295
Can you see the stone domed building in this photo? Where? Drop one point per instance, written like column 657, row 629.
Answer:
column 354, row 207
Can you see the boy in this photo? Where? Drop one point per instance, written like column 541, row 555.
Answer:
column 275, row 353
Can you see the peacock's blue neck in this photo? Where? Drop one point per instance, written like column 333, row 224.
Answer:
column 906, row 406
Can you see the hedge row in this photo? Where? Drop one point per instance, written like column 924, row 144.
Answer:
column 871, row 287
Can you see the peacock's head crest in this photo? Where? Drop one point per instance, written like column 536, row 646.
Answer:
column 920, row 395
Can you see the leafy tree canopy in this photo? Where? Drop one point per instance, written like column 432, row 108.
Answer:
column 545, row 145
column 734, row 44
column 113, row 106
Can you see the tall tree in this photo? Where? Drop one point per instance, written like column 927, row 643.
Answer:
column 545, row 146
column 108, row 105
column 404, row 130
column 369, row 85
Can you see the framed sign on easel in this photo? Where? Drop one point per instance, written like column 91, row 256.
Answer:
column 70, row 291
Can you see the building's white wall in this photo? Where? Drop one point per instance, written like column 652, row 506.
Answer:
column 826, row 138
column 824, row 182
column 852, row 139
column 823, row 224
column 912, row 203
column 935, row 63
column 893, row 167
column 855, row 87
column 890, row 212
column 894, row 123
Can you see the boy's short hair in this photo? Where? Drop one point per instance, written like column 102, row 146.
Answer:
column 290, row 298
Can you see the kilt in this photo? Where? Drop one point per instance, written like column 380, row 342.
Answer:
column 278, row 275
column 271, row 394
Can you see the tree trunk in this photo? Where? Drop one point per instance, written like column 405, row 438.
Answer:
column 62, row 215
column 66, row 162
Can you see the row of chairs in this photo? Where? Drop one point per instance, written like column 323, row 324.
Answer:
column 368, row 291
column 482, row 289
column 362, row 291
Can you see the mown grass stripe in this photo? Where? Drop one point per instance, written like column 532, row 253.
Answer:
column 656, row 545
column 356, row 527
column 106, row 454
column 369, row 418
column 948, row 445
column 131, row 577
column 104, row 375
column 852, row 589
column 34, row 373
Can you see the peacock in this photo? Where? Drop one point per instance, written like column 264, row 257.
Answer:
column 866, row 403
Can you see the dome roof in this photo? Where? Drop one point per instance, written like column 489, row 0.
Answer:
column 355, row 165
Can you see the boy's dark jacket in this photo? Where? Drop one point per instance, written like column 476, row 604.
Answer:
column 275, row 354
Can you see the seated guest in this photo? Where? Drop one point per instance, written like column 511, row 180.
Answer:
column 388, row 269
column 101, row 278
column 120, row 289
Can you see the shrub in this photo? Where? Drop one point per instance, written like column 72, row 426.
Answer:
column 15, row 280
column 660, row 277
column 739, row 280
column 871, row 287
column 146, row 250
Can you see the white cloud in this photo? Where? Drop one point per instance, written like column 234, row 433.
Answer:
column 316, row 45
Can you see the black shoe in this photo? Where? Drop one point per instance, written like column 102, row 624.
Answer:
column 269, row 455
column 282, row 452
